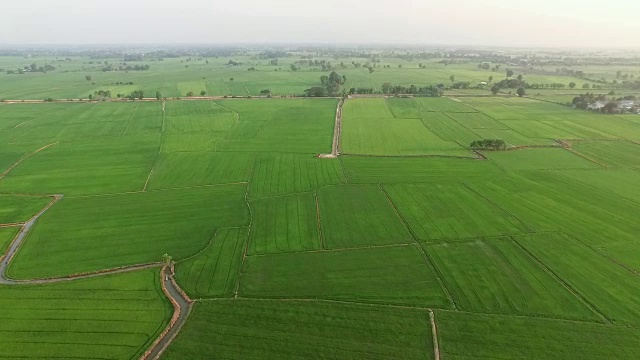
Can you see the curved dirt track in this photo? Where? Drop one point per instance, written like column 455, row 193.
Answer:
column 181, row 303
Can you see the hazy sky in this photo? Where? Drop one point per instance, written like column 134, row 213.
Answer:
column 553, row 23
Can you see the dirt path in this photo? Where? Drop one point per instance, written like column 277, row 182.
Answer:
column 434, row 333
column 181, row 310
column 337, row 128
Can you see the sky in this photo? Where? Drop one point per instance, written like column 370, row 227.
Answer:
column 540, row 23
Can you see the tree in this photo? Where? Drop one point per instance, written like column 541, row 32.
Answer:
column 521, row 92
column 203, row 93
column 231, row 79
column 509, row 73
column 294, row 67
column 190, row 94
column 491, row 78
column 87, row 77
column 519, row 77
column 90, row 97
column 452, row 78
column 158, row 95
column 166, row 259
column 610, row 108
column 586, row 86
column 572, row 85
column 495, row 89
column 265, row 92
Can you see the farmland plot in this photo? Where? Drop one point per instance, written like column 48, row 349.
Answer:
column 213, row 271
column 449, row 129
column 610, row 153
column 436, row 212
column 194, row 169
column 610, row 288
column 94, row 233
column 16, row 208
column 477, row 121
column 465, row 336
column 494, row 275
column 353, row 216
column 280, row 174
column 7, row 234
column 389, row 275
column 361, row 136
column 111, row 317
column 372, row 170
column 251, row 329
column 621, row 182
column 186, row 117
column 86, row 167
column 284, row 224
column 540, row 159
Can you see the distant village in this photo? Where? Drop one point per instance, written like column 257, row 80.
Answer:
column 600, row 103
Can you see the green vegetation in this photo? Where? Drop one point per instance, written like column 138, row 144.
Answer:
column 290, row 252
column 397, row 275
column 7, row 234
column 114, row 317
column 353, row 216
column 466, row 336
column 213, row 271
column 16, row 209
column 438, row 211
column 127, row 229
column 302, row 329
column 494, row 275
column 284, row 224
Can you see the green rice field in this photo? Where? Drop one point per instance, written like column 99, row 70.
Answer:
column 291, row 252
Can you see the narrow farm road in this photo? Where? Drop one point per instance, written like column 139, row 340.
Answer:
column 337, row 128
column 182, row 308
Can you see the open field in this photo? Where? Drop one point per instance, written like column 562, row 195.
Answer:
column 132, row 229
column 465, row 336
column 389, row 275
column 529, row 252
column 113, row 317
column 221, row 329
column 213, row 271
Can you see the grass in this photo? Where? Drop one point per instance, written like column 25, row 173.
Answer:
column 295, row 330
column 620, row 182
column 94, row 233
column 495, row 276
column 7, row 234
column 465, row 336
column 85, row 167
column 185, row 169
column 214, row 271
column 284, row 224
column 354, row 216
column 590, row 274
column 436, row 212
column 368, row 133
column 391, row 275
column 111, row 317
column 540, row 159
column 17, row 208
column 610, row 153
column 372, row 170
column 281, row 174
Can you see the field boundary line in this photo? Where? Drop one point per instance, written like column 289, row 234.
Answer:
column 434, row 335
column 25, row 157
column 153, row 190
column 334, row 250
column 429, row 262
column 130, row 119
column 318, row 222
column 155, row 161
column 246, row 246
column 564, row 283
column 335, row 301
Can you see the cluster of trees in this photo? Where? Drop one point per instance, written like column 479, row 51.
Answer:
column 322, row 64
column 191, row 94
column 100, row 95
column 125, row 67
column 118, row 82
column 430, row 90
column 489, row 144
column 137, row 94
column 331, row 85
column 32, row 68
column 583, row 101
column 234, row 63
